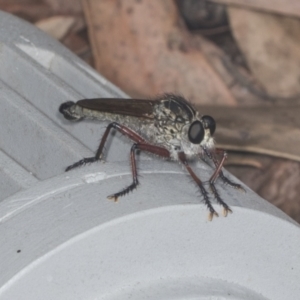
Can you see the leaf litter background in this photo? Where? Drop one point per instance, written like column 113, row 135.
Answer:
column 237, row 60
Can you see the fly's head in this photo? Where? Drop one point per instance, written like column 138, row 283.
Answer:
column 69, row 110
column 201, row 131
column 197, row 135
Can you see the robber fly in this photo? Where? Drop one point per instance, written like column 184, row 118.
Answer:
column 167, row 126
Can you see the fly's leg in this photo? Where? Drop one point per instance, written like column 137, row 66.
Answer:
column 140, row 144
column 82, row 162
column 218, row 170
column 142, row 147
column 218, row 173
column 221, row 174
column 204, row 193
column 126, row 131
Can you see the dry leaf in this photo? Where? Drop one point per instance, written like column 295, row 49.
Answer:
column 271, row 46
column 57, row 26
column 276, row 181
column 288, row 7
column 28, row 11
column 65, row 6
column 271, row 130
column 237, row 79
column 143, row 47
column 239, row 160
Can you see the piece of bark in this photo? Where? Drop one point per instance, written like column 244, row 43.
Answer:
column 286, row 7
column 271, row 46
column 143, row 47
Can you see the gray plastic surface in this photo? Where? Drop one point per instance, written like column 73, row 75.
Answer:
column 62, row 239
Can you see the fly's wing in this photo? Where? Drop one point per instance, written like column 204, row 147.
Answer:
column 128, row 107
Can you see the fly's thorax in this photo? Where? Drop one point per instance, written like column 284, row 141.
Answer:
column 168, row 112
column 169, row 123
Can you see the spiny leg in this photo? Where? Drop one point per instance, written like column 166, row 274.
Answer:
column 218, row 173
column 221, row 174
column 142, row 147
column 82, row 162
column 126, row 131
column 212, row 180
column 135, row 182
column 204, row 193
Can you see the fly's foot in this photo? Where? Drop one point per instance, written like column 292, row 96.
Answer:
column 207, row 202
column 113, row 198
column 240, row 188
column 125, row 191
column 236, row 186
column 212, row 214
column 82, row 162
column 226, row 210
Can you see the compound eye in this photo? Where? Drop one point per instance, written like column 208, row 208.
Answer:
column 196, row 132
column 209, row 123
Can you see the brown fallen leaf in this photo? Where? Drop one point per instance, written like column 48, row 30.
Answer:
column 270, row 130
column 65, row 6
column 237, row 79
column 288, row 7
column 238, row 160
column 57, row 26
column 28, row 10
column 144, row 48
column 270, row 44
column 79, row 46
column 276, row 181
column 200, row 15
